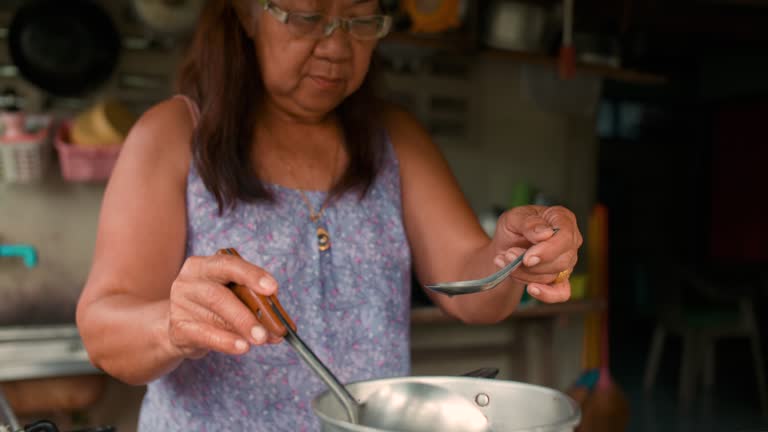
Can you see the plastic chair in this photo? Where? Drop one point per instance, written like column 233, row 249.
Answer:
column 701, row 325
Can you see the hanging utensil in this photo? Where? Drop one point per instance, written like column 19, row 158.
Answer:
column 169, row 17
column 406, row 406
column 567, row 56
column 66, row 48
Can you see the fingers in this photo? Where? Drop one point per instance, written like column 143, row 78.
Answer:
column 195, row 338
column 555, row 293
column 564, row 219
column 537, row 229
column 523, row 223
column 233, row 315
column 544, row 272
column 534, row 225
column 508, row 256
column 202, row 322
column 540, row 280
column 554, row 240
column 561, row 247
column 206, row 315
column 224, row 269
column 552, row 266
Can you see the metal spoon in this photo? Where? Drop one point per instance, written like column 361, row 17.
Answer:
column 477, row 285
column 406, row 407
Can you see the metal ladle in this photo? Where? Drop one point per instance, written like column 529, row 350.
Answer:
column 405, row 407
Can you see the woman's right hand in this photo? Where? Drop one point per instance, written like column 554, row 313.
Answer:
column 205, row 315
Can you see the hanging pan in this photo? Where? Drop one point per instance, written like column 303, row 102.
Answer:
column 66, row 48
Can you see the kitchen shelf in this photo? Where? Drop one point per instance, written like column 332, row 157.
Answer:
column 454, row 42
column 433, row 315
column 608, row 72
column 460, row 43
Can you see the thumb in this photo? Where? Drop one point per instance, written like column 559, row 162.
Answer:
column 522, row 225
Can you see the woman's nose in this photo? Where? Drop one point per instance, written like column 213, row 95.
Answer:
column 336, row 45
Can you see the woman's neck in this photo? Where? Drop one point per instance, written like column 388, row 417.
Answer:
column 274, row 116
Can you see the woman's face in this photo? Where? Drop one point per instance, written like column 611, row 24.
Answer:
column 308, row 75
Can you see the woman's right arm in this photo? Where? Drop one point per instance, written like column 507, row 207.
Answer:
column 145, row 309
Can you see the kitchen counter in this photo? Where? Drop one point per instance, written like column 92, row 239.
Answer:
column 45, row 368
column 538, row 344
column 45, row 351
column 42, row 351
column 433, row 315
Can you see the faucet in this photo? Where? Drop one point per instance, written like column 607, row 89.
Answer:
column 27, row 253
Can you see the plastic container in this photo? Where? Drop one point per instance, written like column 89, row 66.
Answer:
column 105, row 123
column 84, row 164
column 25, row 147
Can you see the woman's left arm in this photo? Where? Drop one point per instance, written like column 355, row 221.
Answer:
column 449, row 244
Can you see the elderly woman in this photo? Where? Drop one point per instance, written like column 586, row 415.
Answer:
column 276, row 146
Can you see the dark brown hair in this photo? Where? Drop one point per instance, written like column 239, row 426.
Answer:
column 221, row 73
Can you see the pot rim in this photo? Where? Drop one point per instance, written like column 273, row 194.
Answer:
column 569, row 422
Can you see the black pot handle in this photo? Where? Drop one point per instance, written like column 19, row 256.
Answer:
column 98, row 429
column 47, row 426
column 489, row 373
column 41, row 426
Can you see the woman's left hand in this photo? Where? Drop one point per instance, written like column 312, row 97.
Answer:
column 552, row 240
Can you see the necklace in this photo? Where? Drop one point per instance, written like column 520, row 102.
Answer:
column 323, row 236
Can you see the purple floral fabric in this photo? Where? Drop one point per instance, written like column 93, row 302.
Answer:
column 350, row 304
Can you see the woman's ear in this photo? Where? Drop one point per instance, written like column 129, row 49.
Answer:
column 245, row 10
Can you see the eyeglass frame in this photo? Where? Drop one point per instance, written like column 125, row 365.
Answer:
column 334, row 22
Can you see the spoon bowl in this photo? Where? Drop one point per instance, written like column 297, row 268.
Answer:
column 421, row 407
column 477, row 285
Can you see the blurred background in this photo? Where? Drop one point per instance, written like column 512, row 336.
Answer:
column 645, row 117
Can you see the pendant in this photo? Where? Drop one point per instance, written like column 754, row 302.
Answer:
column 323, row 239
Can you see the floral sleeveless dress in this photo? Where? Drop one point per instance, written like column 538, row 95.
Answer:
column 351, row 305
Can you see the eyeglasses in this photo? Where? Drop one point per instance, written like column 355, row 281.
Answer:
column 317, row 26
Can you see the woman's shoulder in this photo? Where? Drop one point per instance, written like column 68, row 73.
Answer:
column 397, row 118
column 406, row 133
column 169, row 118
column 163, row 133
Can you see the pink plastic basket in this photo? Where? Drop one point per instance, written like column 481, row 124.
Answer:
column 84, row 164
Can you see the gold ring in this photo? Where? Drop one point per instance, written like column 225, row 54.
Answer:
column 562, row 276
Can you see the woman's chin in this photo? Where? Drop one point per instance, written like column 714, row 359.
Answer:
column 320, row 106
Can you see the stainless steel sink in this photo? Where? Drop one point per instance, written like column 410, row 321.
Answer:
column 42, row 351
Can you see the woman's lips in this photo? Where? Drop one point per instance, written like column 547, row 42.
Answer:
column 327, row 83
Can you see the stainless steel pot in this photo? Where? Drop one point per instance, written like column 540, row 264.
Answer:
column 510, row 406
